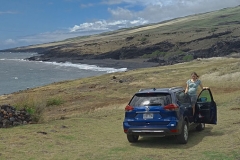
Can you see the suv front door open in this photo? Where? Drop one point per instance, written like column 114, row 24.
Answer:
column 206, row 109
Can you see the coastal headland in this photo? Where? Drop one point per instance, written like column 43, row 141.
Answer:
column 213, row 34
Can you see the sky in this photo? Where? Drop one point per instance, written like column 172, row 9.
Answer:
column 29, row 22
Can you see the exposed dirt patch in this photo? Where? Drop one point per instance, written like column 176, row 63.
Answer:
column 235, row 109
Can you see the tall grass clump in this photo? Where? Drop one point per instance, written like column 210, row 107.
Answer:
column 34, row 105
column 54, row 101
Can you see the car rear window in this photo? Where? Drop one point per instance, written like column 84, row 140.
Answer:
column 150, row 99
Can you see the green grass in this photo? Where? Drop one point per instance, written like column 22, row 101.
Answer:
column 188, row 58
column 99, row 135
column 93, row 112
column 83, row 118
column 155, row 54
column 54, row 101
column 213, row 155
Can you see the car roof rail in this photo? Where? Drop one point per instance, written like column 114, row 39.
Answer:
column 175, row 88
column 146, row 89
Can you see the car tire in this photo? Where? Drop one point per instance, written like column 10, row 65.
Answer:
column 182, row 138
column 132, row 138
column 200, row 127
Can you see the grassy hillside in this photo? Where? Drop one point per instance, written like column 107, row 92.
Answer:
column 203, row 35
column 82, row 119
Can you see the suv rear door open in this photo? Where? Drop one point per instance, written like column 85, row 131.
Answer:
column 206, row 109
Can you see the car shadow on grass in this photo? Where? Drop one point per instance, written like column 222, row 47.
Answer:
column 195, row 137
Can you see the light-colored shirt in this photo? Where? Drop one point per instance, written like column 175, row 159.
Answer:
column 193, row 86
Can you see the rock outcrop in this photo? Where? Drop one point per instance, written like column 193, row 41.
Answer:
column 9, row 116
column 221, row 48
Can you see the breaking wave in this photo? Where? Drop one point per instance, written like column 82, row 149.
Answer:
column 79, row 66
column 87, row 67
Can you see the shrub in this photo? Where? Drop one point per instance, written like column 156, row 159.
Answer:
column 155, row 54
column 143, row 39
column 33, row 105
column 188, row 57
column 179, row 52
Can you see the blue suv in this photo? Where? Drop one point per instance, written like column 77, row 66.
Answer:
column 167, row 112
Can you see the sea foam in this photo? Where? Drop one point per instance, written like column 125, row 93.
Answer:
column 87, row 67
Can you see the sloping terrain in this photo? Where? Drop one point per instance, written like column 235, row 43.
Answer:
column 82, row 119
column 182, row 39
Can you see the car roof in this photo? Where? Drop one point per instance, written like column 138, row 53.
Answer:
column 162, row 90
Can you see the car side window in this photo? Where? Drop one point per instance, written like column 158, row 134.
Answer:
column 205, row 96
column 182, row 97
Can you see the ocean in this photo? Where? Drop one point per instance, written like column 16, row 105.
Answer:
column 17, row 74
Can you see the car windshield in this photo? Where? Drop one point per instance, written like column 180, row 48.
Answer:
column 150, row 99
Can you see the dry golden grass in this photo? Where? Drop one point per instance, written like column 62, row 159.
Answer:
column 88, row 124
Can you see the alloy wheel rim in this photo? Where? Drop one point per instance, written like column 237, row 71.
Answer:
column 185, row 132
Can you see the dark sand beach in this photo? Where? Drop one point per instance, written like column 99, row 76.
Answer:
column 112, row 63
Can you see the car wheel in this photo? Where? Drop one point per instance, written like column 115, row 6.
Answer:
column 182, row 138
column 200, row 127
column 132, row 138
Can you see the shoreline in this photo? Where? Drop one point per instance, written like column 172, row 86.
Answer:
column 130, row 64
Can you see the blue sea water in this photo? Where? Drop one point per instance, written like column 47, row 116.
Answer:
column 19, row 74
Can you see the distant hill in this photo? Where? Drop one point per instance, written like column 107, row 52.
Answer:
column 205, row 35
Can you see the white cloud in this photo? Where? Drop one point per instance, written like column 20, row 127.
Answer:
column 98, row 25
column 202, row 3
column 107, row 25
column 48, row 37
column 9, row 41
column 160, row 10
column 121, row 13
column 8, row 12
column 134, row 2
column 111, row 2
column 86, row 5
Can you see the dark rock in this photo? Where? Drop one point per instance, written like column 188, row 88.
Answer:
column 6, row 123
column 16, row 123
column 12, row 119
column 129, row 38
column 64, row 126
column 9, row 116
column 42, row 132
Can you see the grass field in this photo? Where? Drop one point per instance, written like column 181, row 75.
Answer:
column 82, row 119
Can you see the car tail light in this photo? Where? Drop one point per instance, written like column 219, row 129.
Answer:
column 125, row 130
column 128, row 108
column 174, row 130
column 171, row 107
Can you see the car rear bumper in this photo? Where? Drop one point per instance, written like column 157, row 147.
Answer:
column 152, row 131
